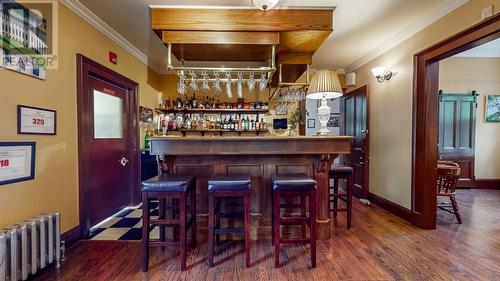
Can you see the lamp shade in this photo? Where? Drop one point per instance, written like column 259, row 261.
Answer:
column 324, row 84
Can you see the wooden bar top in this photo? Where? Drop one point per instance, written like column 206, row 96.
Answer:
column 250, row 145
column 250, row 138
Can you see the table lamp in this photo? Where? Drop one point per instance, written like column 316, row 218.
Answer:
column 324, row 85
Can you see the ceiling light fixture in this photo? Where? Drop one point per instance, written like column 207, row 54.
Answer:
column 381, row 74
column 265, row 4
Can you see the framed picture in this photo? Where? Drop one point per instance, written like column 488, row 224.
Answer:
column 334, row 120
column 281, row 109
column 34, row 120
column 17, row 161
column 24, row 41
column 311, row 123
column 145, row 114
column 492, row 108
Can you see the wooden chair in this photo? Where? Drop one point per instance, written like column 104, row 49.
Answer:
column 448, row 173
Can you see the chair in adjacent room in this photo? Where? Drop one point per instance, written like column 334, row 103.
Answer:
column 163, row 187
column 223, row 186
column 340, row 172
column 447, row 179
column 301, row 186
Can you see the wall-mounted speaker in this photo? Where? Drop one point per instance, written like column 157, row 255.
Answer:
column 350, row 79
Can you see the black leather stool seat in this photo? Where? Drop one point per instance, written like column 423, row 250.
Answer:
column 341, row 169
column 292, row 182
column 229, row 182
column 165, row 182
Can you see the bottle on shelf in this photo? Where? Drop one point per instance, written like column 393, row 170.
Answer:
column 230, row 123
column 248, row 123
column 188, row 122
column 194, row 102
column 257, row 124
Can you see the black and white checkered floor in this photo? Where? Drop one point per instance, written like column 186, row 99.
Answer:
column 124, row 225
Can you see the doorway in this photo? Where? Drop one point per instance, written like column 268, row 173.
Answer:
column 108, row 142
column 425, row 110
column 354, row 122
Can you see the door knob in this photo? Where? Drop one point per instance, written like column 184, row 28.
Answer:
column 123, row 161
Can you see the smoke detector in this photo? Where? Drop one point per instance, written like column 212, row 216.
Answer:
column 265, row 4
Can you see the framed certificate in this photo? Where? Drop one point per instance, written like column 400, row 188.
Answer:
column 34, row 120
column 17, row 161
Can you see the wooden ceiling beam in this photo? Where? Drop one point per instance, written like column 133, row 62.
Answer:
column 221, row 37
column 241, row 20
column 295, row 58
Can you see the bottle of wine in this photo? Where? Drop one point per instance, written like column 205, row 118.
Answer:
column 248, row 123
column 231, row 124
column 194, row 102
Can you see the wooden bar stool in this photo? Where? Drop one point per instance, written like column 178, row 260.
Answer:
column 447, row 179
column 339, row 172
column 228, row 186
column 162, row 187
column 294, row 185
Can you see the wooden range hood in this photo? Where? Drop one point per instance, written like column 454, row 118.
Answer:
column 245, row 35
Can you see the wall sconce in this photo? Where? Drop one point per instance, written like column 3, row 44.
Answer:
column 381, row 74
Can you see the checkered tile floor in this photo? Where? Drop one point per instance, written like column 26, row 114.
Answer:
column 124, row 225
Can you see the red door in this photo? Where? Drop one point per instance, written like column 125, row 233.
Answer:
column 108, row 144
column 354, row 122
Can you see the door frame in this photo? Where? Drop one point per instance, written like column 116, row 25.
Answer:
column 87, row 67
column 367, row 146
column 425, row 114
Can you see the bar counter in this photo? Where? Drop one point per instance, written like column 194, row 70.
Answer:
column 258, row 156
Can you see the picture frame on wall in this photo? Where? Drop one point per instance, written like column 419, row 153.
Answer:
column 311, row 123
column 492, row 109
column 36, row 121
column 281, row 109
column 17, row 161
column 334, row 120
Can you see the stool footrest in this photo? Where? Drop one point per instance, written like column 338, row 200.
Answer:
column 340, row 198
column 338, row 194
column 164, row 243
column 232, row 215
column 236, row 230
column 164, row 222
column 294, row 220
column 294, row 240
column 338, row 210
column 290, row 206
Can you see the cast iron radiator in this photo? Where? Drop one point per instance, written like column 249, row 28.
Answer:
column 29, row 246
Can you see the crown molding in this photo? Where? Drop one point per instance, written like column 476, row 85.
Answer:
column 78, row 8
column 408, row 32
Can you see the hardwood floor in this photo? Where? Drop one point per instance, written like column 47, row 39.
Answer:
column 379, row 246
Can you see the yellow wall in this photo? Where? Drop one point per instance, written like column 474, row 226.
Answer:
column 463, row 75
column 391, row 103
column 55, row 187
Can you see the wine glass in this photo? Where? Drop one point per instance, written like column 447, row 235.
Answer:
column 229, row 92
column 263, row 81
column 216, row 84
column 181, row 87
column 193, row 84
column 205, row 87
column 240, row 85
column 251, row 82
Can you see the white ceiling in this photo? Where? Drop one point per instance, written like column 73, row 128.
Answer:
column 362, row 28
column 488, row 50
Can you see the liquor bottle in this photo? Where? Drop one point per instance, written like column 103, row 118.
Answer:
column 178, row 103
column 194, row 102
column 231, row 124
column 252, row 124
column 263, row 125
column 146, row 139
column 188, row 122
column 243, row 123
column 257, row 124
column 248, row 123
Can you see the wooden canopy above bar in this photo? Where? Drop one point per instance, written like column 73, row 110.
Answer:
column 240, row 34
column 259, row 157
column 241, row 19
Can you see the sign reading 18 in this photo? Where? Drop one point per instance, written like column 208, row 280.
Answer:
column 38, row 121
column 4, row 163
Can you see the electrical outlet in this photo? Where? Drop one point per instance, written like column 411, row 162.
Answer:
column 487, row 12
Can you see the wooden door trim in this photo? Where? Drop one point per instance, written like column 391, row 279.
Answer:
column 425, row 114
column 342, row 121
column 86, row 67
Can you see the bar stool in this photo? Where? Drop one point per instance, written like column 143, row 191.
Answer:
column 228, row 186
column 338, row 172
column 162, row 187
column 294, row 185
